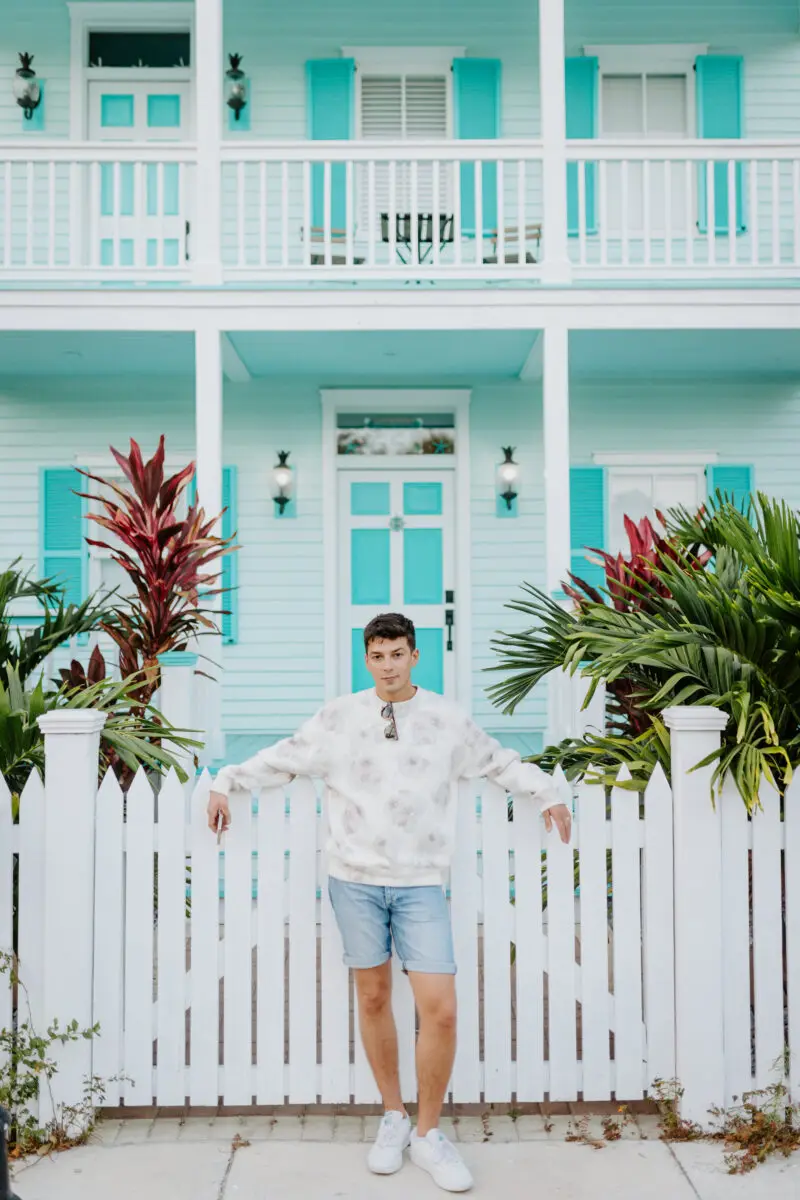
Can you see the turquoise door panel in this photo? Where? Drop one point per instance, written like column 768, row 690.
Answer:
column 422, row 562
column 429, row 673
column 369, row 566
column 164, row 112
column 116, row 112
column 171, row 250
column 369, row 499
column 170, row 200
column 111, row 204
column 125, row 252
column 422, row 499
column 361, row 677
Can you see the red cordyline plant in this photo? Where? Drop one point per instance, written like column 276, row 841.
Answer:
column 168, row 558
column 633, row 584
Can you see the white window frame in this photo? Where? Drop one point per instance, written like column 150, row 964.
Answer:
column 404, row 60
column 152, row 16
column 620, row 465
column 642, row 60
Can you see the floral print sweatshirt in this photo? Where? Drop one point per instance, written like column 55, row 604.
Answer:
column 391, row 805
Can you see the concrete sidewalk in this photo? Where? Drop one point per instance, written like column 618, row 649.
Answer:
column 322, row 1158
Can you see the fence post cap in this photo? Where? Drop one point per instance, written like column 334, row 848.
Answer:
column 72, row 721
column 695, row 718
column 178, row 658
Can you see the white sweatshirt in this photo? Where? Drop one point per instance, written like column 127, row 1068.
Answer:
column 391, row 806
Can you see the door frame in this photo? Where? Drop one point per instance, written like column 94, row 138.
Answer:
column 449, row 400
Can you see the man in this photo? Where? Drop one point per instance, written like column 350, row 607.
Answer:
column 389, row 758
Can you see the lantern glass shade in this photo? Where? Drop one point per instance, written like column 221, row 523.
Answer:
column 26, row 91
column 282, row 477
column 508, row 472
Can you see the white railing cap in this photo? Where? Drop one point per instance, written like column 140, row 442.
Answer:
column 695, row 718
column 72, row 721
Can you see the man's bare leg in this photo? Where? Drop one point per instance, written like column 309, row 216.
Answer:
column 435, row 996
column 378, row 1031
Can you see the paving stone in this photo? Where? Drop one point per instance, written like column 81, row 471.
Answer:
column 371, row 1126
column 472, row 1129
column 590, row 1125
column 449, row 1128
column 133, row 1133
column 198, row 1129
column 531, row 1128
column 558, row 1126
column 287, row 1129
column 166, row 1129
column 254, row 1129
column 157, row 1172
column 317, row 1129
column 649, row 1126
column 348, row 1129
column 106, row 1133
column 503, row 1129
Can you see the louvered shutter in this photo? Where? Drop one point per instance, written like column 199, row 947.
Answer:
column 587, row 521
column 401, row 108
column 64, row 553
column 734, row 482
column 228, row 567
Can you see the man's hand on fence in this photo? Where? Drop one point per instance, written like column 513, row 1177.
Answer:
column 560, row 816
column 217, row 803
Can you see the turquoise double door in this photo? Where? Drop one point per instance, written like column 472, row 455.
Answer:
column 397, row 554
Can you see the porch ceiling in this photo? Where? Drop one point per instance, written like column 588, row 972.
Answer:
column 685, row 354
column 34, row 352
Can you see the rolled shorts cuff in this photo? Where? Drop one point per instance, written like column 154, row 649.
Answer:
column 365, row 963
column 426, row 967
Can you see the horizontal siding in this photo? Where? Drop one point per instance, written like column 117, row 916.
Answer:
column 274, row 675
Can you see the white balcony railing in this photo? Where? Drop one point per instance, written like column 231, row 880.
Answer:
column 355, row 211
column 309, row 209
column 83, row 212
column 698, row 209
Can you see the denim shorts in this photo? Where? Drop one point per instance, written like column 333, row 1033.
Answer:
column 417, row 918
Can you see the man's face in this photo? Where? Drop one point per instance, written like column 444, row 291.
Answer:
column 390, row 663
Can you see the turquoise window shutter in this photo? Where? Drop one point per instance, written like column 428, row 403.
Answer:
column 229, row 569
column 581, row 76
column 330, row 118
column 720, row 114
column 733, row 480
column 230, row 572
column 64, row 554
column 476, row 104
column 587, row 498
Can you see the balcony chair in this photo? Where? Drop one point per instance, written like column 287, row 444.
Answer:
column 531, row 233
column 338, row 238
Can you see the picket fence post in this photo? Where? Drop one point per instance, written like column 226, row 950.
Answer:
column 71, row 749
column 176, row 696
column 697, row 839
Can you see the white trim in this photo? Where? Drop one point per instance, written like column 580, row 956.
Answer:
column 403, row 60
column 455, row 400
column 647, row 461
column 646, row 59
column 122, row 14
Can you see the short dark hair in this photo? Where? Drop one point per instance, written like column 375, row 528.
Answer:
column 390, row 627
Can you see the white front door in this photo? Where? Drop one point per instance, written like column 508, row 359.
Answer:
column 139, row 211
column 397, row 554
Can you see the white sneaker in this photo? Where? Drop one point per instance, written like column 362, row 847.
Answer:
column 441, row 1160
column 394, row 1133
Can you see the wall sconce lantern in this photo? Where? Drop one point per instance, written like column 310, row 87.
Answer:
column 25, row 87
column 283, row 480
column 507, row 484
column 237, row 86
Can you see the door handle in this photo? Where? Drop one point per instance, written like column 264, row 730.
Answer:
column 186, row 241
column 449, row 620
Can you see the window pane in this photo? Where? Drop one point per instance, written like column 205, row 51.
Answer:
column 387, row 433
column 678, row 488
column 666, row 105
column 623, row 106
column 120, row 49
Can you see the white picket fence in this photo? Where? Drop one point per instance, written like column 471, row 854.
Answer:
column 232, row 990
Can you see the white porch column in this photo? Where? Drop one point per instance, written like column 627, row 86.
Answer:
column 176, row 698
column 556, row 266
column 561, row 707
column 71, row 746
column 697, row 840
column 208, row 432
column 555, row 386
column 206, row 235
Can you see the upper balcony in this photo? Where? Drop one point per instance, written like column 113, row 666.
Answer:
column 507, row 143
